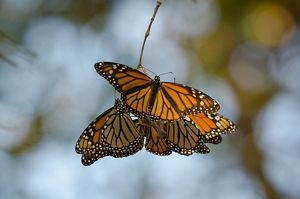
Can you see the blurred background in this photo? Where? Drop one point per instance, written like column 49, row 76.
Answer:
column 245, row 54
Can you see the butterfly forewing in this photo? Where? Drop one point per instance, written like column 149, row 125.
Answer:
column 185, row 138
column 121, row 136
column 138, row 101
column 182, row 137
column 188, row 100
column 212, row 124
column 162, row 108
column 121, row 77
column 90, row 139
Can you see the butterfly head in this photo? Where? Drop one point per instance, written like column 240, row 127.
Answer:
column 119, row 105
column 156, row 80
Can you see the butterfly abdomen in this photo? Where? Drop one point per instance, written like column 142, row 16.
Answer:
column 155, row 86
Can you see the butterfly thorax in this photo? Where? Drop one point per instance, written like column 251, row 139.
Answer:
column 156, row 82
column 119, row 106
column 155, row 87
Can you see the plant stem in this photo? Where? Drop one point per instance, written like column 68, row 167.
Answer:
column 147, row 33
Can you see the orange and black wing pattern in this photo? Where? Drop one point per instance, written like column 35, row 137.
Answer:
column 184, row 138
column 170, row 102
column 90, row 144
column 92, row 156
column 123, row 78
column 90, row 139
column 113, row 133
column 217, row 139
column 188, row 100
column 175, row 101
column 120, row 135
column 151, row 99
column 155, row 139
column 135, row 87
column 212, row 125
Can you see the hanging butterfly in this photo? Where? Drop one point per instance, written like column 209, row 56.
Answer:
column 181, row 136
column 189, row 135
column 113, row 133
column 148, row 98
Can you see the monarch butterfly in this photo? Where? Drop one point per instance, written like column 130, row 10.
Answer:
column 181, row 136
column 113, row 133
column 148, row 98
column 189, row 135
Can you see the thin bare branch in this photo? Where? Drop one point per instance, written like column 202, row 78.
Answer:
column 147, row 33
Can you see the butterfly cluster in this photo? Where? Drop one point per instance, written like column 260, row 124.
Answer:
column 171, row 118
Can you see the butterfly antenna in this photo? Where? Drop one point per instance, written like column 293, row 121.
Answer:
column 150, row 71
column 167, row 74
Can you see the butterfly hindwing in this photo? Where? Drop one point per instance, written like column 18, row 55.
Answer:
column 89, row 157
column 182, row 136
column 214, row 140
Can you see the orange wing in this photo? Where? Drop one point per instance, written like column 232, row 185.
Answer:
column 212, row 124
column 121, row 77
column 138, row 101
column 120, row 135
column 170, row 102
column 184, row 138
column 90, row 139
column 155, row 140
column 113, row 133
column 187, row 100
column 151, row 99
column 135, row 87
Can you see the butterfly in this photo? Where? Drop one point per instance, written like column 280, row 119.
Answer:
column 190, row 134
column 152, row 99
column 181, row 136
column 113, row 133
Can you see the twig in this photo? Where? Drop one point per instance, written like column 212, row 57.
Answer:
column 147, row 33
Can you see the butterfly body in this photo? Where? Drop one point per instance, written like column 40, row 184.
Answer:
column 155, row 86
